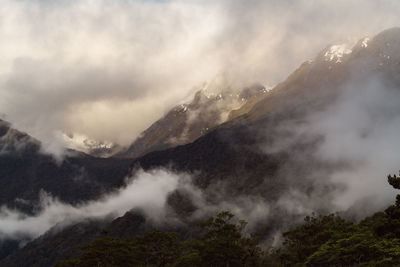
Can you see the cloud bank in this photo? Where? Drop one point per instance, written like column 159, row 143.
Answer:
column 361, row 130
column 147, row 191
column 108, row 69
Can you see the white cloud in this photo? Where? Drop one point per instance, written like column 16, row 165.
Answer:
column 146, row 191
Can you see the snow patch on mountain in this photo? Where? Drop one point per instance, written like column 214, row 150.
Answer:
column 364, row 42
column 267, row 89
column 336, row 52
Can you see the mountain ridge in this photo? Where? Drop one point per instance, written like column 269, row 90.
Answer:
column 263, row 154
column 186, row 122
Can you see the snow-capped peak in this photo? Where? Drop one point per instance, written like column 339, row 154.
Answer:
column 336, row 53
column 83, row 143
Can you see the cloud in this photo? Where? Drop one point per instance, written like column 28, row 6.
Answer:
column 361, row 129
column 253, row 209
column 355, row 144
column 108, row 69
column 146, row 191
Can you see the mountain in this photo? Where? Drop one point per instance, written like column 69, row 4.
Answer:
column 44, row 251
column 185, row 123
column 89, row 146
column 271, row 153
column 25, row 171
column 263, row 162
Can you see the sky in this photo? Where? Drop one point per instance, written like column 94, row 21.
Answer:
column 108, row 69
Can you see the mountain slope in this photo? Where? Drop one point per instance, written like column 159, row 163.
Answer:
column 27, row 176
column 25, row 171
column 187, row 122
column 273, row 151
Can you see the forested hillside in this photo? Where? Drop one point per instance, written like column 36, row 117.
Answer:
column 322, row 240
